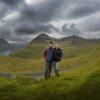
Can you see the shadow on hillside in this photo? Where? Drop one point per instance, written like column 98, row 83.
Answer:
column 90, row 90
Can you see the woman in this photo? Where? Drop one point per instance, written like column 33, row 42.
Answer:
column 57, row 56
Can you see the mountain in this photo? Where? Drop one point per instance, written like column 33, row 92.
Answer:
column 42, row 38
column 78, row 39
column 71, row 38
column 34, row 48
column 4, row 45
column 72, row 46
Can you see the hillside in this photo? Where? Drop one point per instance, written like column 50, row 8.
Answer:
column 4, row 45
column 34, row 48
column 79, row 80
column 72, row 46
column 77, row 39
column 80, row 83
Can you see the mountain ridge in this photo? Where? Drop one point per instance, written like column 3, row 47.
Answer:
column 43, row 38
column 74, row 38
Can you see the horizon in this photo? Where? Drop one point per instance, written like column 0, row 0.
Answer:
column 51, row 37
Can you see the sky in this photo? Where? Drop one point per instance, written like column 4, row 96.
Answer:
column 23, row 20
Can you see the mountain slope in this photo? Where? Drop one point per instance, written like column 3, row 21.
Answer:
column 4, row 45
column 42, row 38
column 77, row 39
column 72, row 47
column 34, row 48
column 80, row 83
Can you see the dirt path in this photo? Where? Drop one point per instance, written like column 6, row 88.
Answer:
column 35, row 75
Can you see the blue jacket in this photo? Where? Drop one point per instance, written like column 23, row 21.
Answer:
column 49, row 54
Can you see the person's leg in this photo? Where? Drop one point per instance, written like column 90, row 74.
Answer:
column 50, row 68
column 56, row 68
column 46, row 70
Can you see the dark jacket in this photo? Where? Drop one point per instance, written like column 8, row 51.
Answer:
column 48, row 54
column 57, row 54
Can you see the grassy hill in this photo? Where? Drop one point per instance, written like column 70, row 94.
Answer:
column 34, row 49
column 71, row 51
column 80, row 82
column 30, row 59
column 72, row 46
column 19, row 65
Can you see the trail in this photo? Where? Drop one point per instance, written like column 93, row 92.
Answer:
column 35, row 75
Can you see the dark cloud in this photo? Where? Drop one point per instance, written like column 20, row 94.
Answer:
column 42, row 12
column 91, row 24
column 4, row 32
column 11, row 2
column 36, row 29
column 19, row 19
column 70, row 29
column 3, row 10
column 81, row 11
column 19, row 39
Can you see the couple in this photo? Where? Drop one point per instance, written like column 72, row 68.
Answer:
column 53, row 56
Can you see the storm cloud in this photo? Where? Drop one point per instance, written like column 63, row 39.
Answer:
column 22, row 20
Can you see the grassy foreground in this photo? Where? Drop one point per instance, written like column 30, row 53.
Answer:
column 76, row 84
column 81, row 82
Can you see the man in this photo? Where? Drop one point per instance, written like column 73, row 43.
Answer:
column 48, row 55
column 57, row 56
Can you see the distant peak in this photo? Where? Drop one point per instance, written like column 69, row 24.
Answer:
column 75, row 37
column 43, row 35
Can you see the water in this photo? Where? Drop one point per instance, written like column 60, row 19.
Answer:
column 14, row 47
column 5, row 53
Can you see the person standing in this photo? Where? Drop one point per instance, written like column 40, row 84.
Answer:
column 48, row 56
column 57, row 56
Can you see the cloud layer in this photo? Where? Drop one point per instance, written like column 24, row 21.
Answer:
column 21, row 20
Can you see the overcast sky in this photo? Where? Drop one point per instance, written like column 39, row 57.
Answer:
column 22, row 20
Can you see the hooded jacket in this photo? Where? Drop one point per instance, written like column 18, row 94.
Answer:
column 57, row 54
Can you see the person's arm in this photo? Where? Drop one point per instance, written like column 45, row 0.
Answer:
column 44, row 53
column 61, row 54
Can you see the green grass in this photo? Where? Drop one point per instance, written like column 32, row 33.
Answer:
column 18, row 65
column 81, row 82
column 77, row 84
column 30, row 59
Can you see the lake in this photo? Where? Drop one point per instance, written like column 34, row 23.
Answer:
column 5, row 53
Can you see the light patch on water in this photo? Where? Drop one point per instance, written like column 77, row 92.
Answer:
column 5, row 53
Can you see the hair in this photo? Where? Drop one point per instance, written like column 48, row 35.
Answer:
column 50, row 42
